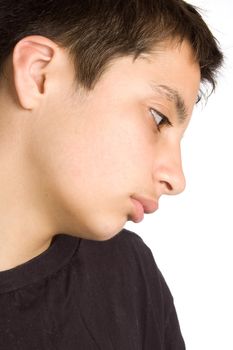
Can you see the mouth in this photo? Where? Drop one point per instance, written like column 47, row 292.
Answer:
column 142, row 205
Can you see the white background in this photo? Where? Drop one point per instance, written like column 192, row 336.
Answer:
column 191, row 234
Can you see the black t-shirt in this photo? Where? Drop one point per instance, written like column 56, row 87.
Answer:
column 82, row 295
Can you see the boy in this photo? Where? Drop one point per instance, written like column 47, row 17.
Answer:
column 94, row 99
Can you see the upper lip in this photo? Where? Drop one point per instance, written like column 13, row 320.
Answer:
column 149, row 205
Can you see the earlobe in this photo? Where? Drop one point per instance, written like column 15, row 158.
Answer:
column 31, row 56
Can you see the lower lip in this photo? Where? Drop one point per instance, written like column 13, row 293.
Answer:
column 138, row 214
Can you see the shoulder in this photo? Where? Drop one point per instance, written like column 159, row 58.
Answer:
column 128, row 255
column 121, row 273
column 126, row 240
column 124, row 246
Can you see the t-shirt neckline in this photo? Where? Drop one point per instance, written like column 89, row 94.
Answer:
column 51, row 260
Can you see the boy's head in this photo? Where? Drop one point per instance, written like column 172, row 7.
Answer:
column 94, row 99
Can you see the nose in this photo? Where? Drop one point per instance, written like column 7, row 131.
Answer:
column 168, row 172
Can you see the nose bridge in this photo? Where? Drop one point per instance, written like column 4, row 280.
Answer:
column 170, row 173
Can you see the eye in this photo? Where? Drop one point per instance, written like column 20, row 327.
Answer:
column 160, row 119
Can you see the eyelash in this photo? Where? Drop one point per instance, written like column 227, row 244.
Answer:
column 164, row 121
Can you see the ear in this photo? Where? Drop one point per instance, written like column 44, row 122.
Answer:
column 31, row 57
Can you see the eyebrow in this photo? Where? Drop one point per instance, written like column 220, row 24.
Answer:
column 172, row 95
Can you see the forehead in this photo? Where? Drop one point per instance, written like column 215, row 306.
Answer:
column 174, row 62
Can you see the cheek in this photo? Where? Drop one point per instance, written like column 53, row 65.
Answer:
column 99, row 155
column 109, row 153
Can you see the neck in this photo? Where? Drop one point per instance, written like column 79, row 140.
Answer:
column 26, row 228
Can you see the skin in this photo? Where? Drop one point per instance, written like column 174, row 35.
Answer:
column 71, row 160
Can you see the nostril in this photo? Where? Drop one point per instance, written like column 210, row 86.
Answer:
column 167, row 185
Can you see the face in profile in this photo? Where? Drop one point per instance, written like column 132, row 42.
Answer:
column 99, row 149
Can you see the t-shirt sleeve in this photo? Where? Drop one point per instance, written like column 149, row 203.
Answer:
column 172, row 336
column 135, row 308
column 173, row 339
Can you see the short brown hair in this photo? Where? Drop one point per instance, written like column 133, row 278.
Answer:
column 97, row 31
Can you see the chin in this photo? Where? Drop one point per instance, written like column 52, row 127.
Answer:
column 97, row 228
column 104, row 231
column 103, row 235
